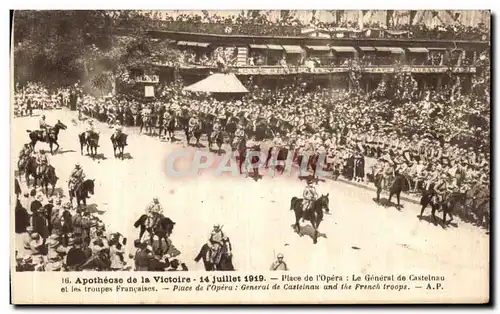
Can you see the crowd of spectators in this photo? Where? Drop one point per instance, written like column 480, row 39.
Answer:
column 261, row 24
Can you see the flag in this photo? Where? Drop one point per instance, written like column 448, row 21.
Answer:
column 338, row 16
column 413, row 14
column 389, row 18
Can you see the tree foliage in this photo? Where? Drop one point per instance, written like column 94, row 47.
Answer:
column 62, row 47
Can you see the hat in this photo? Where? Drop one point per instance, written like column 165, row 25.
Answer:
column 67, row 205
column 279, row 255
column 39, row 197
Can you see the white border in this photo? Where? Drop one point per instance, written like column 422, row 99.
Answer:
column 221, row 4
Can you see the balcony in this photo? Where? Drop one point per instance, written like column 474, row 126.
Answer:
column 147, row 79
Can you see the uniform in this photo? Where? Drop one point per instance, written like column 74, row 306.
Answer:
column 77, row 176
column 309, row 195
column 215, row 242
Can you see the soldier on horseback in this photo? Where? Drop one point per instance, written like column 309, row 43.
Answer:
column 118, row 132
column 91, row 129
column 441, row 189
column 76, row 178
column 153, row 211
column 215, row 243
column 42, row 161
column 309, row 195
column 25, row 152
column 239, row 135
column 216, row 128
column 44, row 127
column 193, row 122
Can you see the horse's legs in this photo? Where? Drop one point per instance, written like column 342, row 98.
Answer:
column 57, row 148
column 433, row 212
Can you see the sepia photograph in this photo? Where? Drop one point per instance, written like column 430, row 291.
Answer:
column 266, row 156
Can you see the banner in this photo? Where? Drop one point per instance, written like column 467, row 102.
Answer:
column 149, row 91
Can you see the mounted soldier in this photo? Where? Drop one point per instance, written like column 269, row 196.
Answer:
column 154, row 211
column 44, row 127
column 43, row 163
column 119, row 131
column 239, row 135
column 91, row 129
column 193, row 123
column 76, row 178
column 309, row 195
column 215, row 243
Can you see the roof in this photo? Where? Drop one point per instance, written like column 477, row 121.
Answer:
column 192, row 44
column 390, row 49
column 257, row 46
column 418, row 49
column 218, row 83
column 367, row 48
column 274, row 47
column 293, row 49
column 318, row 48
column 343, row 49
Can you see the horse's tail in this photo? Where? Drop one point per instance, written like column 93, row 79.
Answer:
column 28, row 131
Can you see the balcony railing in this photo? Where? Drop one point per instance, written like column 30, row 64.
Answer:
column 152, row 79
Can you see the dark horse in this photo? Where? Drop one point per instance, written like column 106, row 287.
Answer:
column 91, row 141
column 314, row 214
column 119, row 142
column 280, row 156
column 81, row 192
column 169, row 126
column 446, row 203
column 160, row 226
column 51, row 136
column 30, row 169
column 196, row 132
column 243, row 150
column 395, row 188
column 221, row 261
column 49, row 177
column 218, row 137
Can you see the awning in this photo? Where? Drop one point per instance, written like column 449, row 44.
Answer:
column 274, row 47
column 417, row 49
column 343, row 49
column 437, row 49
column 318, row 48
column 192, row 44
column 292, row 49
column 256, row 46
column 218, row 83
column 390, row 49
column 367, row 48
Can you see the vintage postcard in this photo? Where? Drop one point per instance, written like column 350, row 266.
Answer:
column 265, row 157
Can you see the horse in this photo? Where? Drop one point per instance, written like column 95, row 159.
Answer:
column 49, row 177
column 222, row 260
column 169, row 126
column 196, row 131
column 119, row 142
column 91, row 141
column 51, row 136
column 218, row 137
column 314, row 214
column 162, row 227
column 31, row 170
column 281, row 154
column 242, row 157
column 446, row 203
column 396, row 186
column 81, row 192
